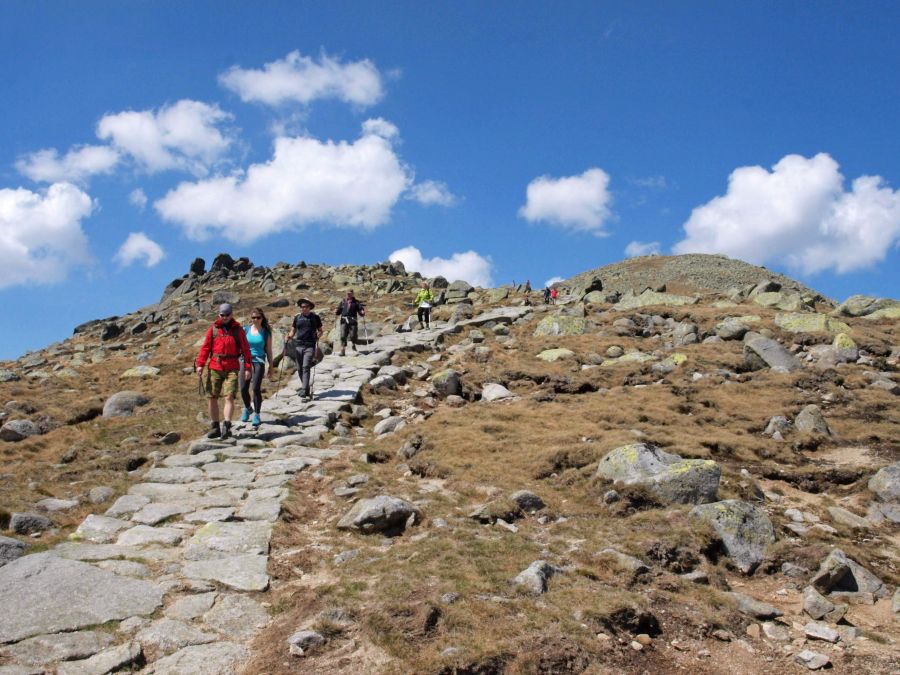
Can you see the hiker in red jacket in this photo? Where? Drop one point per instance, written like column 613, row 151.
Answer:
column 225, row 343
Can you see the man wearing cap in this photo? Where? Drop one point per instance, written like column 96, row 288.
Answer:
column 349, row 310
column 225, row 343
column 305, row 331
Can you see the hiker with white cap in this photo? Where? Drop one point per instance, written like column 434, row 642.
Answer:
column 224, row 345
column 305, row 332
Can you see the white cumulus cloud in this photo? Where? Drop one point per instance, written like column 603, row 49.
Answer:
column 638, row 248
column 432, row 193
column 580, row 203
column 302, row 79
column 185, row 135
column 40, row 234
column 138, row 198
column 469, row 266
column 553, row 280
column 138, row 246
column 306, row 181
column 76, row 166
column 798, row 213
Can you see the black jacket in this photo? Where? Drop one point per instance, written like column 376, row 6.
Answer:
column 348, row 311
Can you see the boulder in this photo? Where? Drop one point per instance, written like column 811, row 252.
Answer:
column 198, row 267
column 123, row 403
column 753, row 607
column 447, row 383
column 745, row 530
column 789, row 302
column 684, row 481
column 28, row 523
column 811, row 420
column 819, row 607
column 18, row 430
column 43, row 593
column 527, row 500
column 389, row 425
column 141, row 371
column 845, row 348
column 799, row 322
column 559, row 354
column 770, row 352
column 650, row 298
column 734, row 327
column 495, row 392
column 536, row 577
column 886, row 483
column 561, row 325
column 384, row 513
column 865, row 305
column 10, row 549
column 840, row 574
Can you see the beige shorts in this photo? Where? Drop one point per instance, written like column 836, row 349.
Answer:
column 221, row 382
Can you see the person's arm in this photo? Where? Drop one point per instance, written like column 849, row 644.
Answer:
column 319, row 328
column 205, row 350
column 269, row 349
column 245, row 350
column 362, row 309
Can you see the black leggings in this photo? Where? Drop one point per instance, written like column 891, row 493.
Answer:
column 259, row 369
column 424, row 315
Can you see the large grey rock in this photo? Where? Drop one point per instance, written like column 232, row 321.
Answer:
column 447, row 383
column 732, row 328
column 812, row 660
column 107, row 661
column 561, row 325
column 305, row 640
column 99, row 529
column 811, row 420
column 753, row 607
column 44, row 649
column 819, row 607
column 685, row 481
column 242, row 572
column 168, row 635
column 237, row 616
column 770, row 352
column 27, row 523
column 389, row 425
column 10, row 549
column 191, row 606
column 745, row 530
column 18, row 430
column 886, row 483
column 42, row 593
column 380, row 514
column 536, row 577
column 495, row 392
column 142, row 535
column 219, row 540
column 123, row 403
column 219, row 658
column 840, row 574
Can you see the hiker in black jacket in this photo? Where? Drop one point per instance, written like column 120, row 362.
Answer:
column 350, row 309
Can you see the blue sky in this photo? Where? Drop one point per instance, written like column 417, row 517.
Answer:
column 493, row 141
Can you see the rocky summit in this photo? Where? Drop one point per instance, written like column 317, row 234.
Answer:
column 684, row 464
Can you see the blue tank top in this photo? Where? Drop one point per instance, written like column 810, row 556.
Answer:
column 257, row 345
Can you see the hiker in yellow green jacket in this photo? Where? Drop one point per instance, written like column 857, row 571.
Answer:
column 424, row 300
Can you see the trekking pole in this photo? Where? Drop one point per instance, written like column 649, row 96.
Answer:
column 365, row 330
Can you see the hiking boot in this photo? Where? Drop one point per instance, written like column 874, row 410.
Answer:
column 245, row 416
column 256, row 421
column 343, row 351
column 214, row 431
column 226, row 430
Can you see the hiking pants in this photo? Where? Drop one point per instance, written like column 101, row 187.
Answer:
column 305, row 357
column 424, row 315
column 259, row 369
column 349, row 329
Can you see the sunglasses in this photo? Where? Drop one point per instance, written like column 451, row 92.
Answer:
column 225, row 315
column 256, row 318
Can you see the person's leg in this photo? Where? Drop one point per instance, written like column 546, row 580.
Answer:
column 245, row 397
column 305, row 366
column 420, row 314
column 428, row 317
column 228, row 408
column 354, row 336
column 214, row 409
column 259, row 369
column 345, row 330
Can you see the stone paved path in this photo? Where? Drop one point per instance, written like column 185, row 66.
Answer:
column 188, row 546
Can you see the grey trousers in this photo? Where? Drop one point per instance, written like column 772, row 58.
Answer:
column 305, row 358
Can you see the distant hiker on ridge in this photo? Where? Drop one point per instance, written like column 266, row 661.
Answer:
column 306, row 331
column 259, row 337
column 349, row 309
column 546, row 295
column 423, row 302
column 528, row 286
column 224, row 344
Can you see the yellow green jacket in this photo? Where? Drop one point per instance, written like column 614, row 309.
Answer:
column 424, row 295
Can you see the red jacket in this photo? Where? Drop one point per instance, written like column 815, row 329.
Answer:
column 224, row 350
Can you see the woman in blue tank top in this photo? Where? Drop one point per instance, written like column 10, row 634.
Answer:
column 259, row 335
